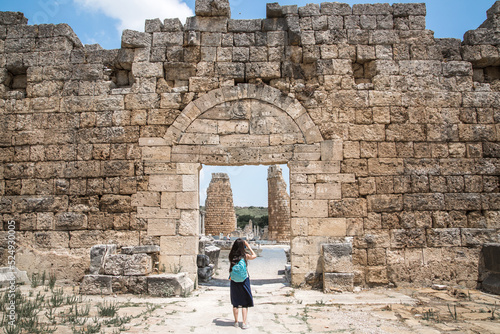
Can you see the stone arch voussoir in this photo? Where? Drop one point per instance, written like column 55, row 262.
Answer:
column 264, row 93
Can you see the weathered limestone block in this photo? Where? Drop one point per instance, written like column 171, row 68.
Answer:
column 331, row 227
column 309, row 208
column 205, row 273
column 70, row 221
column 138, row 265
column 410, row 238
column 96, row 284
column 477, row 237
column 202, row 260
column 137, row 285
column 145, row 249
column 168, row 285
column 337, row 258
column 338, row 282
column 349, row 207
column 135, row 39
column 423, row 202
column 377, row 275
column 443, row 237
column 114, row 264
column 213, row 253
column 98, row 253
column 6, row 274
column 385, row 203
column 213, row 8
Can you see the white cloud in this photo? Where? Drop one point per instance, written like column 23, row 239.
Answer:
column 133, row 13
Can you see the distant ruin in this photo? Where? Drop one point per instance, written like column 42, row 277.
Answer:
column 278, row 205
column 220, row 217
column 391, row 136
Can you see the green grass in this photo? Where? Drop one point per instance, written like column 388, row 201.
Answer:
column 256, row 211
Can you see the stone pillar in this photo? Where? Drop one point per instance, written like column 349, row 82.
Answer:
column 278, row 205
column 202, row 222
column 219, row 208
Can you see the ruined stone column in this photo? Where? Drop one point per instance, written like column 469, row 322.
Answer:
column 278, row 205
column 220, row 216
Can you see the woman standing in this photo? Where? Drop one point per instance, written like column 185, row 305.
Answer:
column 241, row 294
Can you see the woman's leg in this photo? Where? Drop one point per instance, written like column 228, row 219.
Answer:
column 244, row 312
column 235, row 313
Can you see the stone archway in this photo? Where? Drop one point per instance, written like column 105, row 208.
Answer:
column 244, row 124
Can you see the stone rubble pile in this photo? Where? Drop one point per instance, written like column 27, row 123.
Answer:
column 208, row 259
column 130, row 271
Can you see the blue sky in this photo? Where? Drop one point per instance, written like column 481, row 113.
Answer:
column 248, row 183
column 102, row 21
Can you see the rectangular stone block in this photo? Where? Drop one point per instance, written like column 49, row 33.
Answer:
column 179, row 245
column 309, row 208
column 328, row 227
column 338, row 282
column 70, row 221
column 187, row 200
column 143, row 198
column 385, row 166
column 423, row 202
column 315, row 167
column 138, row 265
column 96, row 284
column 328, row 191
column 462, row 201
column 331, row 150
column 348, row 207
column 97, row 256
column 165, row 183
column 169, row 285
column 159, row 153
column 443, row 237
column 337, row 258
column 51, row 239
column 157, row 213
column 412, row 238
column 161, row 227
column 476, row 237
column 385, row 203
column 302, row 191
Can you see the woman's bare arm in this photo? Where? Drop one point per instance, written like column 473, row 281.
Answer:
column 252, row 254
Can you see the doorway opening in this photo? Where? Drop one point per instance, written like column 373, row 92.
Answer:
column 258, row 194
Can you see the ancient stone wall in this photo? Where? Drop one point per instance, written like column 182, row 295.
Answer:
column 278, row 205
column 391, row 136
column 220, row 216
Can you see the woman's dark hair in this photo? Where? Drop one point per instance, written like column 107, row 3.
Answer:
column 237, row 253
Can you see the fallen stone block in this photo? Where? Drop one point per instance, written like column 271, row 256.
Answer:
column 492, row 284
column 202, row 261
column 213, row 253
column 137, row 265
column 114, row 264
column 137, row 285
column 169, row 285
column 205, row 273
column 337, row 258
column 338, row 282
column 96, row 284
column 146, row 249
column 97, row 254
column 6, row 275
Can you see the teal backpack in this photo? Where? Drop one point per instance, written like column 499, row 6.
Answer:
column 239, row 271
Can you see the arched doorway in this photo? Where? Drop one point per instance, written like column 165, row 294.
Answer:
column 234, row 126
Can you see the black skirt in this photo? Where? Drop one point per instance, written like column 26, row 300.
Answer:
column 241, row 294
